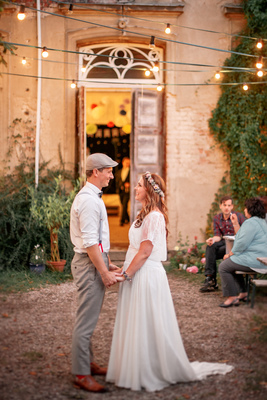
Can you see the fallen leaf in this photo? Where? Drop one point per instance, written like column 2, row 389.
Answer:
column 33, row 373
column 263, row 384
column 5, row 315
column 61, row 354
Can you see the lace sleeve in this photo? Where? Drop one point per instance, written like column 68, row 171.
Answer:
column 154, row 228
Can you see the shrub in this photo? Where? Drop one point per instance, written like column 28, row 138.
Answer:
column 189, row 255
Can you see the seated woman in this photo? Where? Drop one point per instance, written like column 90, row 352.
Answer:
column 250, row 243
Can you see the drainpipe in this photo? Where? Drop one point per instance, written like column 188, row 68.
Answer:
column 39, row 93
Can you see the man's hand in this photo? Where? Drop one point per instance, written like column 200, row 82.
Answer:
column 234, row 219
column 210, row 241
column 108, row 278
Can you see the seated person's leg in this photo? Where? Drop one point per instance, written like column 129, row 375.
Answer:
column 213, row 253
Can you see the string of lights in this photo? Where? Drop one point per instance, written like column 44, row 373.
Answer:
column 123, row 15
column 47, row 60
column 47, row 49
column 139, row 33
column 137, row 83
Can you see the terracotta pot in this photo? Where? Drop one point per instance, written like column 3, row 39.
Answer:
column 56, row 265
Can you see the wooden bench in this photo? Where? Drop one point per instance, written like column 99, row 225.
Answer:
column 249, row 276
column 256, row 283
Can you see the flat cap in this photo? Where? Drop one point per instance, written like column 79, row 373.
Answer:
column 99, row 160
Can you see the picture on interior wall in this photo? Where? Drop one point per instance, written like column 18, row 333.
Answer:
column 147, row 111
column 147, row 149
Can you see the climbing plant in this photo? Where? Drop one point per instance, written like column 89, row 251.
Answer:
column 239, row 121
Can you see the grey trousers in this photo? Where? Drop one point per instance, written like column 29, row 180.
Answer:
column 91, row 292
column 232, row 284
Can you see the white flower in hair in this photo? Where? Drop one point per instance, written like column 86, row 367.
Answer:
column 155, row 186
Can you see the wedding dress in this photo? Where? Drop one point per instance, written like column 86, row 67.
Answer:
column 147, row 349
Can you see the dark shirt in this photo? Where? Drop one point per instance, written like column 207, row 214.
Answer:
column 222, row 227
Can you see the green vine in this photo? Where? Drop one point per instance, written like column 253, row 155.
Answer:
column 239, row 121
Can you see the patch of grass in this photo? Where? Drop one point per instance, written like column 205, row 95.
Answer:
column 196, row 279
column 256, row 382
column 12, row 281
column 33, row 355
column 259, row 326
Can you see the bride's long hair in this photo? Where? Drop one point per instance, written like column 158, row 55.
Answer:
column 153, row 201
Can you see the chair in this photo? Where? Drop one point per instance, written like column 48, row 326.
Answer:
column 249, row 276
column 257, row 283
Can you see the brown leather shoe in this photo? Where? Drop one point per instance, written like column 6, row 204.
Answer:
column 97, row 370
column 89, row 383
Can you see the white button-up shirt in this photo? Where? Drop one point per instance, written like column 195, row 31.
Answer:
column 86, row 211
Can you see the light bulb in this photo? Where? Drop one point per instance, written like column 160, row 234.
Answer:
column 23, row 61
column 245, row 87
column 73, row 84
column 152, row 43
column 159, row 88
column 217, row 75
column 83, row 69
column 21, row 15
column 260, row 73
column 156, row 67
column 259, row 63
column 44, row 52
column 168, row 29
column 147, row 72
column 259, row 44
column 70, row 9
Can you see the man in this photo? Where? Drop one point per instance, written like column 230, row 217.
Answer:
column 225, row 223
column 123, row 188
column 91, row 267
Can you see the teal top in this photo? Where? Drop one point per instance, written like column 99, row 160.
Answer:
column 250, row 243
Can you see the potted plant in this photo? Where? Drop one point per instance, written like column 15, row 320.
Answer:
column 37, row 260
column 53, row 211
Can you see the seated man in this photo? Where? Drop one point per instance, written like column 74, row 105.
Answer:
column 225, row 223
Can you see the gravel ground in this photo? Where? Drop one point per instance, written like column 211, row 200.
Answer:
column 36, row 328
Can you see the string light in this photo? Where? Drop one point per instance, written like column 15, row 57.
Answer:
column 73, row 84
column 168, row 29
column 155, row 67
column 159, row 88
column 245, row 87
column 260, row 73
column 259, row 44
column 21, row 14
column 259, row 63
column 217, row 75
column 152, row 43
column 23, row 61
column 44, row 52
column 83, row 69
column 70, row 9
column 147, row 72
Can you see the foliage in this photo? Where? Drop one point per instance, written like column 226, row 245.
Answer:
column 19, row 232
column 38, row 256
column 188, row 255
column 52, row 211
column 4, row 47
column 239, row 121
column 13, row 281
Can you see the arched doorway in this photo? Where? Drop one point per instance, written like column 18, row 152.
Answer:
column 120, row 114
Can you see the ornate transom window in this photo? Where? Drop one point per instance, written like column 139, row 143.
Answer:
column 119, row 63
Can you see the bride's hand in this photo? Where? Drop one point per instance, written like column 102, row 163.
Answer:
column 113, row 267
column 119, row 276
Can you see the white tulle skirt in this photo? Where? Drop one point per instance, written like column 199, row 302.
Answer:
column 147, row 349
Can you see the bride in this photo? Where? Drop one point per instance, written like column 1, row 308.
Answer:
column 147, row 349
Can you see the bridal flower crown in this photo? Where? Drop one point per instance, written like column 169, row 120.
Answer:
column 156, row 187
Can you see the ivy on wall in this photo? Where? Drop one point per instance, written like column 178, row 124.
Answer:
column 239, row 121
